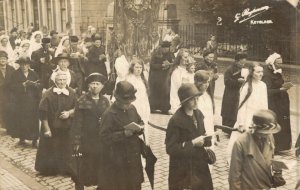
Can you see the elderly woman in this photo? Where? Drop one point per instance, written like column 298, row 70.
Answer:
column 121, row 167
column 85, row 131
column 74, row 80
column 56, row 111
column 252, row 154
column 25, row 87
column 185, row 141
column 278, row 99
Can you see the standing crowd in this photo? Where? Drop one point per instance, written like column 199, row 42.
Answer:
column 57, row 91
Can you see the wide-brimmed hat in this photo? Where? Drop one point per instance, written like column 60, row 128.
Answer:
column 46, row 40
column 265, row 122
column 23, row 60
column 165, row 44
column 96, row 77
column 60, row 56
column 3, row 54
column 125, row 92
column 187, row 91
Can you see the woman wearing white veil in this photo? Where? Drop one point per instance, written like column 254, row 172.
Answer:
column 35, row 41
column 24, row 50
column 63, row 46
column 5, row 46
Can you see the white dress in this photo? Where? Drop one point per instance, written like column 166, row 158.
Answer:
column 122, row 68
column 142, row 102
column 257, row 100
column 179, row 76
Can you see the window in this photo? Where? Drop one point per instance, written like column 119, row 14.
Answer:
column 63, row 11
column 49, row 13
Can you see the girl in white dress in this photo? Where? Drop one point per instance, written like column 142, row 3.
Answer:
column 6, row 46
column 253, row 97
column 35, row 41
column 137, row 79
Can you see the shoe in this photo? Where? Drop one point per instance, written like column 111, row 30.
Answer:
column 34, row 144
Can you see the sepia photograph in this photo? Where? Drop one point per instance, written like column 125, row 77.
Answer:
column 149, row 95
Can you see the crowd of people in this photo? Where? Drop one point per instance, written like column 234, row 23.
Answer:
column 53, row 92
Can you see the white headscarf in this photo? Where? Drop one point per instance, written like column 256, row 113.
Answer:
column 22, row 52
column 60, row 47
column 33, row 44
column 271, row 60
column 10, row 52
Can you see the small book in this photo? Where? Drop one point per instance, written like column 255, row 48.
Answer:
column 133, row 127
column 288, row 85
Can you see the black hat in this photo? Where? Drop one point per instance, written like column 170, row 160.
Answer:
column 125, row 92
column 46, row 40
column 165, row 44
column 201, row 76
column 187, row 91
column 24, row 59
column 265, row 122
column 207, row 52
column 96, row 37
column 74, row 39
column 61, row 56
column 3, row 54
column 53, row 32
column 96, row 77
column 13, row 30
column 240, row 56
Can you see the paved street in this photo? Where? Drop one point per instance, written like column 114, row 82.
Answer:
column 23, row 157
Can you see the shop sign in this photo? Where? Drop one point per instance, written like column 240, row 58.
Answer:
column 249, row 14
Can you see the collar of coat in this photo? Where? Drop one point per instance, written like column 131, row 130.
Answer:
column 251, row 149
column 86, row 101
column 182, row 120
column 116, row 109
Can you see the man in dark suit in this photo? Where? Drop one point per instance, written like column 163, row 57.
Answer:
column 5, row 107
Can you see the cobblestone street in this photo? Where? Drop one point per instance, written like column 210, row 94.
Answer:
column 23, row 158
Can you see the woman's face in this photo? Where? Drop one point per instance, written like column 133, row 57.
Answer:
column 24, row 67
column 3, row 61
column 38, row 38
column 4, row 42
column 258, row 73
column 191, row 69
column 184, row 59
column 63, row 64
column 95, row 87
column 66, row 43
column 61, row 81
column 192, row 103
column 137, row 69
column 26, row 46
column 202, row 86
column 97, row 43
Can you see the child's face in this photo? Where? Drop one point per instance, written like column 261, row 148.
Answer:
column 191, row 69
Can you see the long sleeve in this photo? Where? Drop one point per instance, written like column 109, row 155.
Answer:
column 264, row 96
column 76, row 129
column 235, row 170
column 173, row 145
column 271, row 90
column 229, row 81
column 176, row 81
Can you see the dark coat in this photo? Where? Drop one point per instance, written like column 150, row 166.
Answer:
column 85, row 133
column 231, row 96
column 53, row 154
column 213, row 68
column 188, row 164
column 6, row 101
column 44, row 70
column 160, row 81
column 94, row 65
column 121, row 167
column 27, row 101
column 279, row 102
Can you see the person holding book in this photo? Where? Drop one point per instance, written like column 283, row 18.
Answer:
column 121, row 165
column 278, row 100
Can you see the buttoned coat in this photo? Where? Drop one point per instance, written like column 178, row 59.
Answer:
column 85, row 133
column 188, row 164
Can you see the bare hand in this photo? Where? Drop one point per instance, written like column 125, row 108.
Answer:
column 199, row 141
column 241, row 129
column 128, row 133
column 64, row 115
column 43, row 60
column 48, row 134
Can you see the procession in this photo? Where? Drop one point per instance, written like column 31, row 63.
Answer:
column 132, row 108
